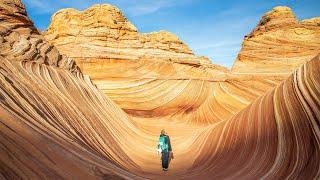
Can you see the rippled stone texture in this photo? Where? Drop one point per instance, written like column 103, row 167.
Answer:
column 279, row 43
column 21, row 41
column 49, row 124
column 55, row 124
column 154, row 74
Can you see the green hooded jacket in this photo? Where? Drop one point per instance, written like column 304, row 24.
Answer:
column 164, row 143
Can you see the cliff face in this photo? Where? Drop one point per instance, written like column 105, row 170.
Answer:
column 279, row 43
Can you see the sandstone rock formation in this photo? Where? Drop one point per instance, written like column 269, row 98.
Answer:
column 102, row 32
column 46, row 110
column 279, row 43
column 21, row 41
column 55, row 124
column 154, row 74
column 276, row 137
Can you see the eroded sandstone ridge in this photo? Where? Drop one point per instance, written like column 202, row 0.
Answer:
column 170, row 81
column 55, row 124
column 47, row 108
column 21, row 41
column 279, row 43
column 103, row 32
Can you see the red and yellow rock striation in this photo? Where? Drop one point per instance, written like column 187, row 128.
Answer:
column 56, row 124
column 276, row 137
column 154, row 74
column 279, row 43
column 52, row 116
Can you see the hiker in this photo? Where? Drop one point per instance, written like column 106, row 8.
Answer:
column 164, row 147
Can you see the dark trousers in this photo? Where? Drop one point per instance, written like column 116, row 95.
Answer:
column 165, row 159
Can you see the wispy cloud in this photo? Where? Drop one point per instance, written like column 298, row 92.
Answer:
column 149, row 7
column 221, row 44
column 133, row 7
column 39, row 6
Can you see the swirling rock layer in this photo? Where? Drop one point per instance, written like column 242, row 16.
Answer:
column 155, row 74
column 47, row 108
column 21, row 41
column 55, row 123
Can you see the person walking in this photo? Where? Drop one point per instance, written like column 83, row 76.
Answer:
column 164, row 147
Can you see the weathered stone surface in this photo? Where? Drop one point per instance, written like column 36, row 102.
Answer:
column 103, row 32
column 21, row 41
column 45, row 112
column 279, row 43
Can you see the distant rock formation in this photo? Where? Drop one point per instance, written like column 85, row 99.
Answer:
column 103, row 32
column 279, row 43
column 125, row 64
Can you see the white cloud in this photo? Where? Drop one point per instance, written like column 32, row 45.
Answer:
column 221, row 44
column 39, row 6
column 149, row 7
column 133, row 7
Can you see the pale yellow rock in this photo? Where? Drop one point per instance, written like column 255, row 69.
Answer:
column 279, row 43
column 312, row 21
column 103, row 31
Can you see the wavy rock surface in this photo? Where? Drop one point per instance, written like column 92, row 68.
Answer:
column 276, row 137
column 279, row 43
column 50, row 127
column 55, row 124
column 154, row 74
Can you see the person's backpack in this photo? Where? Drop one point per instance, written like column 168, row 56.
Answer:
column 163, row 143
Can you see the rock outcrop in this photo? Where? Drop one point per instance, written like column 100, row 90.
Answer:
column 125, row 64
column 103, row 32
column 21, row 41
column 279, row 43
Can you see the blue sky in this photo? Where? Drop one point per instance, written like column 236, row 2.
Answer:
column 209, row 27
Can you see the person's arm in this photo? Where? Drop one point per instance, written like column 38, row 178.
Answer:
column 158, row 146
column 169, row 144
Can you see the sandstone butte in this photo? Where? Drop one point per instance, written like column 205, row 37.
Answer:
column 103, row 32
column 57, row 123
column 279, row 43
